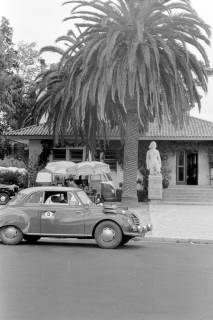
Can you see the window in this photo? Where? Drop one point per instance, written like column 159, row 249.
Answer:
column 109, row 178
column 97, row 177
column 76, row 155
column 84, row 198
column 59, row 154
column 55, row 198
column 110, row 159
column 73, row 201
column 101, row 177
column 35, row 198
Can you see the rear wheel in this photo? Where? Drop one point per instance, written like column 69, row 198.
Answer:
column 108, row 235
column 31, row 239
column 4, row 198
column 11, row 235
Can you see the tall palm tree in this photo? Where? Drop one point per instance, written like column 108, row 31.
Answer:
column 133, row 61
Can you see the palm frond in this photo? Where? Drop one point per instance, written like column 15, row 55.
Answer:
column 52, row 49
column 127, row 49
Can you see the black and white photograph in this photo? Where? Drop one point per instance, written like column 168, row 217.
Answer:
column 106, row 160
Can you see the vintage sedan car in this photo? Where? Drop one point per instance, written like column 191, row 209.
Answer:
column 66, row 213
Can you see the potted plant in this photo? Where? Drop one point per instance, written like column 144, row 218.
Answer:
column 165, row 174
column 165, row 182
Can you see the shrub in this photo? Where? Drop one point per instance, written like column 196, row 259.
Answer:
column 10, row 177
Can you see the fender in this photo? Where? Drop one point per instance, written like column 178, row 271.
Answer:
column 119, row 219
column 18, row 219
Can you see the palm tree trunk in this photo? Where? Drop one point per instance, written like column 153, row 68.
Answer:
column 130, row 156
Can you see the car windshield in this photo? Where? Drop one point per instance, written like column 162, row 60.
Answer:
column 84, row 198
column 101, row 177
column 18, row 198
column 109, row 177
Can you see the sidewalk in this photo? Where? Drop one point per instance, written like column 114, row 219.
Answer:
column 179, row 222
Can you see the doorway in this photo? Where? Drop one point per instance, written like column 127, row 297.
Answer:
column 187, row 167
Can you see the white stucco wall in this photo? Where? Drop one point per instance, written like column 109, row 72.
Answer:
column 203, row 166
column 171, row 162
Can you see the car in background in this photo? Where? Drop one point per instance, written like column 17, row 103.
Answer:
column 66, row 212
column 6, row 192
column 104, row 185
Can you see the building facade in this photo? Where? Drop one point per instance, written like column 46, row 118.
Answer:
column 186, row 152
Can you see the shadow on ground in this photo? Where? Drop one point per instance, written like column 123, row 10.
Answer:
column 78, row 244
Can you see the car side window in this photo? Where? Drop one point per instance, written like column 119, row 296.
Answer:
column 55, row 198
column 34, row 198
column 73, row 200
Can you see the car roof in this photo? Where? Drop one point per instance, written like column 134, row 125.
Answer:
column 49, row 188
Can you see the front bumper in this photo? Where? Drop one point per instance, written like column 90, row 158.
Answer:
column 139, row 231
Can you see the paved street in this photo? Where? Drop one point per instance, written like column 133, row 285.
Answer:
column 73, row 279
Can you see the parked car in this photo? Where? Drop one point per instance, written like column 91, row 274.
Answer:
column 6, row 192
column 104, row 185
column 50, row 211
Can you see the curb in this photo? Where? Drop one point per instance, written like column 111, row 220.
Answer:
column 174, row 240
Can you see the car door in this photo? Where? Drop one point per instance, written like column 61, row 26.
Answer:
column 31, row 208
column 65, row 219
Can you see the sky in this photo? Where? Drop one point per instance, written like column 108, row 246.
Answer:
column 41, row 21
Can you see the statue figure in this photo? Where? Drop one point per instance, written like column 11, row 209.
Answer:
column 153, row 160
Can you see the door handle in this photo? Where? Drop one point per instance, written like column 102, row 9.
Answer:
column 48, row 214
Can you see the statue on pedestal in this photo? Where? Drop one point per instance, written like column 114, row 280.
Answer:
column 153, row 160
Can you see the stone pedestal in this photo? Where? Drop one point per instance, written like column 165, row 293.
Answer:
column 155, row 187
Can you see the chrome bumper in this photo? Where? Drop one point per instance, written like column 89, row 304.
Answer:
column 140, row 231
column 147, row 228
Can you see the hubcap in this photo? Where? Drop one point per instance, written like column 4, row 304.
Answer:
column 2, row 198
column 11, row 232
column 108, row 234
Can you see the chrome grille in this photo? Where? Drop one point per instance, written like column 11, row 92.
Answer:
column 136, row 220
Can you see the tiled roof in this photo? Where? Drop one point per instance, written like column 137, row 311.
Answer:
column 193, row 128
column 34, row 130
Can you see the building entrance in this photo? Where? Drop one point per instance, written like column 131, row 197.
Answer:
column 187, row 167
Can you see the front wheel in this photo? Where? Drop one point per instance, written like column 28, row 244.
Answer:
column 11, row 235
column 4, row 198
column 108, row 235
column 31, row 239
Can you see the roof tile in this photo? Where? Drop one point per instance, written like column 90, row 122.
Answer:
column 192, row 128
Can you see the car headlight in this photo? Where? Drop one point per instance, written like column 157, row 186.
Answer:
column 144, row 229
column 149, row 227
column 130, row 221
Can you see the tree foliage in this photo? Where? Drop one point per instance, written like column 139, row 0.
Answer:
column 19, row 65
column 29, row 65
column 149, row 50
column 8, row 65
